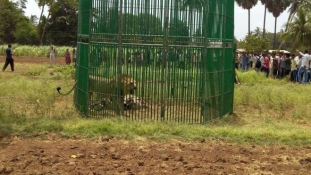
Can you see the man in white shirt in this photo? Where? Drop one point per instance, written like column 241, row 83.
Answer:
column 304, row 66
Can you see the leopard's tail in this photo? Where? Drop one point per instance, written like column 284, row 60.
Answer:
column 59, row 88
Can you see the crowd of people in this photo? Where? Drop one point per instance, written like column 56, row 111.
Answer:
column 68, row 57
column 277, row 64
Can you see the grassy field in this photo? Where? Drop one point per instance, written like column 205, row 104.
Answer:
column 266, row 111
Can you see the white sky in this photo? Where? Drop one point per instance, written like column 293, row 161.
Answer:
column 241, row 18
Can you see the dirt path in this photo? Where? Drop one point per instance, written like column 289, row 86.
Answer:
column 40, row 60
column 109, row 155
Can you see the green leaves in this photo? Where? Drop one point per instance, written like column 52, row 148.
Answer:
column 299, row 30
column 276, row 7
column 246, row 4
column 25, row 33
column 254, row 44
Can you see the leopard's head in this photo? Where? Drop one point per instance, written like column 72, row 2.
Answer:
column 128, row 85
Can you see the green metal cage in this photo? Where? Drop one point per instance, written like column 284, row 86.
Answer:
column 180, row 54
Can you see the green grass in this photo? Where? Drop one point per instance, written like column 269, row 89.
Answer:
column 266, row 111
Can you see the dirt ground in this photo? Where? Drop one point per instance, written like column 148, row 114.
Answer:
column 53, row 154
column 17, row 60
column 50, row 153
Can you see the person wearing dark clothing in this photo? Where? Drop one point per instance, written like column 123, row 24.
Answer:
column 288, row 63
column 9, row 58
column 294, row 66
column 275, row 65
column 244, row 60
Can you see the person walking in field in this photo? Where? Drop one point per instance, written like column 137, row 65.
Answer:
column 52, row 55
column 67, row 58
column 9, row 58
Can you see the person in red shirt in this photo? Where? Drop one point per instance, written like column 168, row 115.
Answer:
column 266, row 64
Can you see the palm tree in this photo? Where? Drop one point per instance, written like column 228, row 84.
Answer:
column 257, row 32
column 264, row 2
column 295, row 5
column 247, row 4
column 276, row 7
column 299, row 30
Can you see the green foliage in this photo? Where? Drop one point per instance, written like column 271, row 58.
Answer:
column 178, row 28
column 299, row 30
column 66, row 71
column 62, row 25
column 59, row 27
column 254, row 44
column 10, row 16
column 36, row 72
column 25, row 33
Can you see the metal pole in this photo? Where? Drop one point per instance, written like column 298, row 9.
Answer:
column 164, row 62
column 120, row 58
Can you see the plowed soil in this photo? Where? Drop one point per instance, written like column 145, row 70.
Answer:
column 51, row 153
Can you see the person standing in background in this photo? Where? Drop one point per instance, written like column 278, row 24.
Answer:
column 251, row 60
column 67, row 57
column 294, row 66
column 74, row 56
column 237, row 61
column 304, row 66
column 244, row 60
column 275, row 65
column 9, row 58
column 282, row 65
column 266, row 64
column 52, row 55
column 288, row 63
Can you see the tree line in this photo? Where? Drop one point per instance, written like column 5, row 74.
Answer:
column 59, row 26
column 296, row 33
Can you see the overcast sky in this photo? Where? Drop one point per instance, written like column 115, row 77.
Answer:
column 241, row 18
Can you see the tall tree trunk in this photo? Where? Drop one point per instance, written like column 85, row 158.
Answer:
column 274, row 39
column 264, row 23
column 45, row 24
column 41, row 14
column 249, row 22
